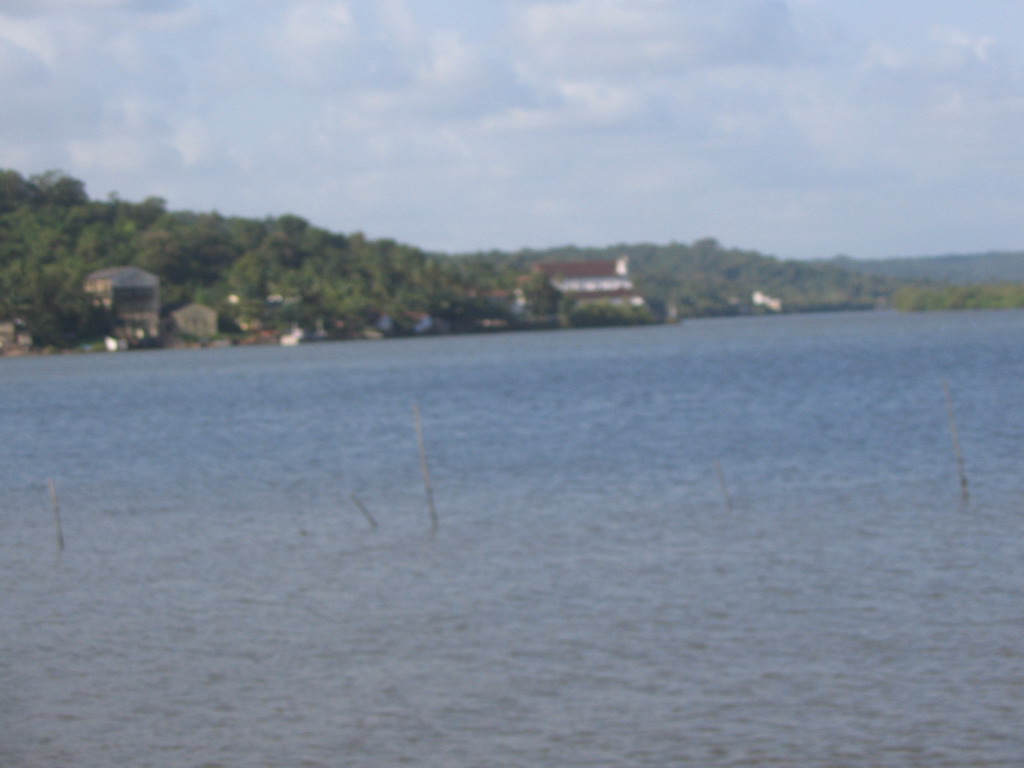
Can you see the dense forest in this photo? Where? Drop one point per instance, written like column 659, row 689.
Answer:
column 269, row 275
column 992, row 280
column 965, row 269
column 943, row 297
column 259, row 274
column 708, row 279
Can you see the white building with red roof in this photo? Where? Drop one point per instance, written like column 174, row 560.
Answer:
column 589, row 281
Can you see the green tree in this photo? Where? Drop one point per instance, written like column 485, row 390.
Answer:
column 57, row 188
column 542, row 298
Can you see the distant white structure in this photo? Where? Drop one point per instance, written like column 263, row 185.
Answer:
column 766, row 301
column 293, row 338
column 588, row 281
column 114, row 345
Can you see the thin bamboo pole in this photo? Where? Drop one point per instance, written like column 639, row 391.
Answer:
column 424, row 467
column 56, row 515
column 725, row 487
column 366, row 513
column 955, row 436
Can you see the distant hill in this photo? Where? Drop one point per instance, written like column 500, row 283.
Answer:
column 707, row 278
column 963, row 269
column 268, row 275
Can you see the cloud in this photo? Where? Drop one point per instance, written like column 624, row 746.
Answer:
column 654, row 65
column 113, row 154
column 943, row 101
column 20, row 66
column 87, row 85
column 455, row 123
column 968, row 47
column 30, row 37
column 193, row 142
column 312, row 26
column 323, row 45
column 46, row 7
column 651, row 39
column 397, row 22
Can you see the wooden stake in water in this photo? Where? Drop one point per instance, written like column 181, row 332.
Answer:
column 56, row 515
column 955, row 434
column 424, row 467
column 725, row 488
column 362, row 508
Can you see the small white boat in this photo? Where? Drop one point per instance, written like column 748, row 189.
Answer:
column 297, row 336
column 293, row 338
column 114, row 345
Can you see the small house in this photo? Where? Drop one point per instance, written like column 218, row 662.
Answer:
column 196, row 321
column 132, row 296
column 14, row 339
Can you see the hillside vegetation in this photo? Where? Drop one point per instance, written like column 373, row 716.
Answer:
column 993, row 280
column 944, row 297
column 707, row 278
column 964, row 269
column 282, row 271
column 258, row 273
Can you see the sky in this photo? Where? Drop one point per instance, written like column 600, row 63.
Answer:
column 797, row 128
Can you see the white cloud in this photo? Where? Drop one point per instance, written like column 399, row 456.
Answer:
column 111, row 154
column 397, row 22
column 601, row 102
column 650, row 39
column 193, row 142
column 311, row 26
column 450, row 61
column 20, row 66
column 969, row 47
column 462, row 124
column 45, row 7
column 30, row 36
column 330, row 46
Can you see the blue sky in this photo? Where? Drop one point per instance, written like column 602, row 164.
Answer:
column 800, row 128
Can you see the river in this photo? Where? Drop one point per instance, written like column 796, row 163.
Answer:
column 735, row 542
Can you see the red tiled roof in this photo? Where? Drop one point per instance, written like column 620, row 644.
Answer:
column 576, row 268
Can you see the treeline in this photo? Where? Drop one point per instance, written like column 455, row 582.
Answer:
column 709, row 279
column 943, row 297
column 279, row 272
column 979, row 268
column 52, row 235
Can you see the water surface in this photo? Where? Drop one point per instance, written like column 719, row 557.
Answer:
column 594, row 595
